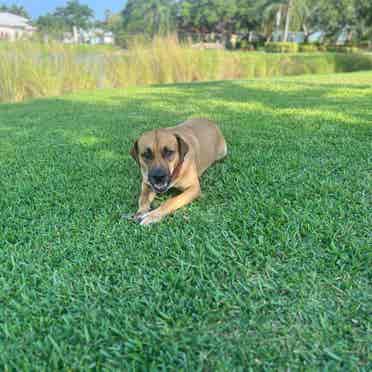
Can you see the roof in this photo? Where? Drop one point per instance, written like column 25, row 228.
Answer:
column 12, row 20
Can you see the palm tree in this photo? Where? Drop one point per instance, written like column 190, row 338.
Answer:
column 305, row 11
column 272, row 16
column 287, row 20
column 158, row 16
column 148, row 16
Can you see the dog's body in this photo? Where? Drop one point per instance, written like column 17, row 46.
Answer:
column 175, row 157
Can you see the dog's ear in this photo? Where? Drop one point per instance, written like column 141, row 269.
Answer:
column 183, row 147
column 134, row 152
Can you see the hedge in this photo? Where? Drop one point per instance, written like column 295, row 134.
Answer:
column 281, row 47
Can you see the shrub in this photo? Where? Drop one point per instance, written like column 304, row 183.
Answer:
column 365, row 45
column 246, row 45
column 332, row 48
column 281, row 47
column 308, row 48
column 229, row 45
column 321, row 47
column 342, row 49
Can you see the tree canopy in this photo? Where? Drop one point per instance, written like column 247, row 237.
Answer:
column 149, row 16
column 15, row 9
column 66, row 17
column 243, row 16
column 75, row 14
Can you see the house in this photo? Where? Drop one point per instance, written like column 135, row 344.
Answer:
column 108, row 38
column 294, row 37
column 316, row 37
column 14, row 27
column 94, row 36
column 68, row 38
column 99, row 36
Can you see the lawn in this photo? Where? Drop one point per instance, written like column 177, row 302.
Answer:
column 270, row 268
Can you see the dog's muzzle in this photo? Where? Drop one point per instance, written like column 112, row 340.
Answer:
column 159, row 179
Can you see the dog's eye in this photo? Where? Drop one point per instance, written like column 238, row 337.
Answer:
column 167, row 153
column 147, row 155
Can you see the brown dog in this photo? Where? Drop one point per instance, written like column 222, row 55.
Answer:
column 175, row 157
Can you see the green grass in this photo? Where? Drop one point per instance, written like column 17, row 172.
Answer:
column 271, row 268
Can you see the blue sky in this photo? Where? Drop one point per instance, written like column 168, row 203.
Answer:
column 39, row 7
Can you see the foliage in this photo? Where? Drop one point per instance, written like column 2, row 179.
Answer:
column 354, row 16
column 363, row 10
column 75, row 14
column 65, row 18
column 151, row 17
column 254, row 20
column 52, row 25
column 305, row 16
column 269, row 270
column 246, row 45
column 308, row 48
column 113, row 23
column 252, row 15
column 207, row 15
column 246, row 17
column 261, row 17
column 342, row 49
column 15, row 9
column 281, row 47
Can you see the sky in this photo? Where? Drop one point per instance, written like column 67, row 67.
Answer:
column 39, row 7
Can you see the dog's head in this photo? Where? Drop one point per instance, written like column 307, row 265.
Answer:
column 160, row 155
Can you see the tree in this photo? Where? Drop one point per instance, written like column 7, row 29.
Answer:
column 65, row 18
column 150, row 17
column 305, row 15
column 262, row 17
column 75, row 14
column 273, row 14
column 207, row 15
column 287, row 20
column 15, row 9
column 363, row 11
column 334, row 16
column 52, row 25
column 248, row 15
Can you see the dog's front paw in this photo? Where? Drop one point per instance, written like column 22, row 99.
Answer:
column 149, row 218
column 139, row 216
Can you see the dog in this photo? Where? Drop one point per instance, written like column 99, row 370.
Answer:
column 175, row 157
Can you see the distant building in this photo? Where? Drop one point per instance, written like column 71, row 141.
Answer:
column 294, row 37
column 315, row 37
column 108, row 38
column 94, row 36
column 14, row 27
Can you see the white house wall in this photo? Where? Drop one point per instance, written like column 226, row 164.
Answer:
column 12, row 34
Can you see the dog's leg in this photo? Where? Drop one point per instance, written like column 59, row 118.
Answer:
column 146, row 198
column 171, row 205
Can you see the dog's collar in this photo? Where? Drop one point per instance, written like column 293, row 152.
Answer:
column 177, row 170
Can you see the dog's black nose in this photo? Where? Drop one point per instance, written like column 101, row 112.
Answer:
column 158, row 176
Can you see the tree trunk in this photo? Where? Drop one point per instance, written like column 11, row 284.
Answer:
column 306, row 33
column 278, row 18
column 287, row 20
column 349, row 37
column 75, row 34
